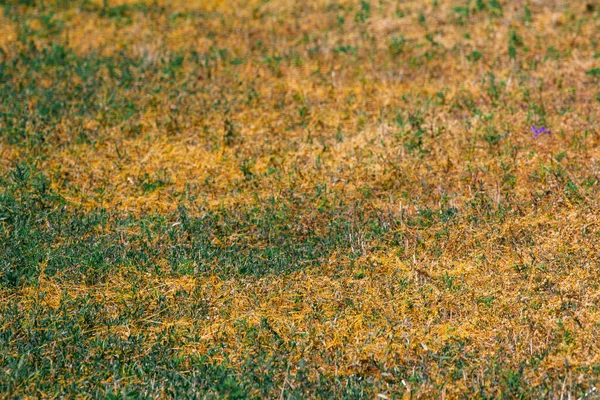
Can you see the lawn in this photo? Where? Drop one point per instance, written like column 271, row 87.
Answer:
column 299, row 199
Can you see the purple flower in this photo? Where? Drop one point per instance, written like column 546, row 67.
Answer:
column 538, row 131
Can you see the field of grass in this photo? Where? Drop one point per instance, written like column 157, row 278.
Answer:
column 300, row 199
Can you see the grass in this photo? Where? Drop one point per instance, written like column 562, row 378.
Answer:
column 330, row 199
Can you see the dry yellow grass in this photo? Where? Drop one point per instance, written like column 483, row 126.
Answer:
column 468, row 259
